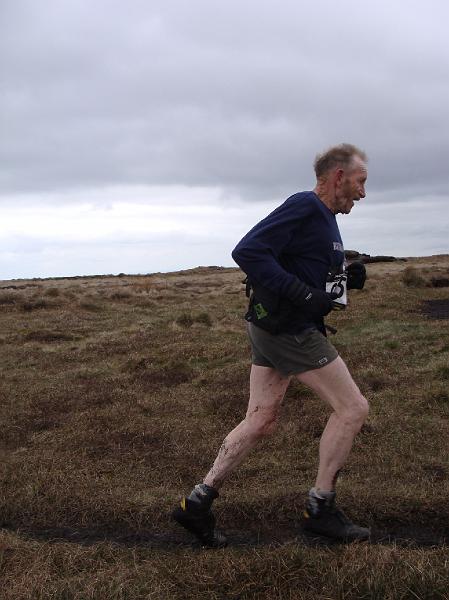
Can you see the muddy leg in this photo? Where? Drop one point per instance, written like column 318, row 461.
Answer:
column 267, row 389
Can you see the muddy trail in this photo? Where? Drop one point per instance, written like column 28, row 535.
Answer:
column 405, row 535
column 436, row 309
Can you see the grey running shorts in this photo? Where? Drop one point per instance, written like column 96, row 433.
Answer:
column 290, row 354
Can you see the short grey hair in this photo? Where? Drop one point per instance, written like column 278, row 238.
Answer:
column 337, row 156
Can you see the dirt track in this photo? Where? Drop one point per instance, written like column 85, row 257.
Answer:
column 436, row 309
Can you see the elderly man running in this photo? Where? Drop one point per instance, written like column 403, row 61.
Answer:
column 295, row 263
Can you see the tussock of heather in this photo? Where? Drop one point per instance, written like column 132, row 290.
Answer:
column 116, row 392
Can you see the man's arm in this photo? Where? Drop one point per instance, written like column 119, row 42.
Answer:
column 257, row 254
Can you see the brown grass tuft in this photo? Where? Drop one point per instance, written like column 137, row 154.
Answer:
column 443, row 372
column 91, row 306
column 186, row 320
column 53, row 292
column 412, row 278
column 37, row 304
column 45, row 335
column 8, row 298
column 121, row 295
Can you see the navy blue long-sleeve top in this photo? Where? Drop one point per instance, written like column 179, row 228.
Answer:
column 299, row 239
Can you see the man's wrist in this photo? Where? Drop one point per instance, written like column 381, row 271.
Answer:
column 313, row 301
column 299, row 292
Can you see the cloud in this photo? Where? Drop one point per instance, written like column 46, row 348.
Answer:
column 239, row 96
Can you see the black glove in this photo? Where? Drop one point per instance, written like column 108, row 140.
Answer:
column 356, row 276
column 314, row 302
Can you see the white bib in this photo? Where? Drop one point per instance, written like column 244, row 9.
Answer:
column 337, row 285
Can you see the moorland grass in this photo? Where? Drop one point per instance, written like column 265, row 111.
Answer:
column 115, row 395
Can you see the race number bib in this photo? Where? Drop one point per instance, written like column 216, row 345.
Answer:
column 336, row 284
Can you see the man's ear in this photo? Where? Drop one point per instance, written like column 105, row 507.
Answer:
column 338, row 176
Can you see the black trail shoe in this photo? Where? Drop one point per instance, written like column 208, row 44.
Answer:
column 200, row 522
column 322, row 517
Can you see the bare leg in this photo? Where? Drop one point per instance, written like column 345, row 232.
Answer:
column 334, row 384
column 267, row 389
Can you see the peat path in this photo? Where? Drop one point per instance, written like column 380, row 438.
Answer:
column 403, row 535
column 436, row 309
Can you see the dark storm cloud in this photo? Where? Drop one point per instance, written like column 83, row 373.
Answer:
column 236, row 95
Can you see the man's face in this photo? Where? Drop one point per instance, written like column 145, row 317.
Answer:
column 351, row 186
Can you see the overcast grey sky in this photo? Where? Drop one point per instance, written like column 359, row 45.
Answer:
column 150, row 136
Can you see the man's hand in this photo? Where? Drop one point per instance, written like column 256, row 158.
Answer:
column 314, row 302
column 356, row 276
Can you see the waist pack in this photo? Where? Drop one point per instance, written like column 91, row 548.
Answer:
column 271, row 312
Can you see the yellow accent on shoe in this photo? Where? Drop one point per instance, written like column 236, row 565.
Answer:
column 306, row 515
column 183, row 504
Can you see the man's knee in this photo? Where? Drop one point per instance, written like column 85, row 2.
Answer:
column 261, row 425
column 364, row 407
column 357, row 411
